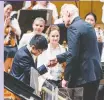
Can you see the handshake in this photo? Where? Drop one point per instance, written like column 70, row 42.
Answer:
column 52, row 62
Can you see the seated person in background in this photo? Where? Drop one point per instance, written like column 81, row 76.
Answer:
column 38, row 27
column 102, row 10
column 102, row 58
column 91, row 18
column 54, row 75
column 47, row 5
column 24, row 61
column 28, row 5
column 12, row 32
column 60, row 20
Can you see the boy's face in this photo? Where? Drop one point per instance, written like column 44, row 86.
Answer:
column 38, row 27
column 35, row 51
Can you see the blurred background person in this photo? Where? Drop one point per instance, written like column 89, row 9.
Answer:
column 12, row 33
column 47, row 5
column 102, row 58
column 91, row 18
column 38, row 27
column 102, row 10
column 28, row 5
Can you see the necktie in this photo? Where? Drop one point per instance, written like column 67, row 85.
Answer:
column 36, row 62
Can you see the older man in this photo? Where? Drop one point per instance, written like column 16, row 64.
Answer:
column 83, row 59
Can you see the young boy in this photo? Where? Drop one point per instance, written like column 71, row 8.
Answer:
column 23, row 60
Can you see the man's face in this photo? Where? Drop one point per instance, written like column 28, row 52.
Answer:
column 38, row 26
column 66, row 18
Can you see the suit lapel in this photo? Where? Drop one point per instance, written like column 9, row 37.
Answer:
column 30, row 56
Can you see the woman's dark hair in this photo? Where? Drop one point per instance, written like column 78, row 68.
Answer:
column 40, row 42
column 7, row 3
column 91, row 13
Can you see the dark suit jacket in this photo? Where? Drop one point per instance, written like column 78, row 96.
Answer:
column 84, row 63
column 22, row 64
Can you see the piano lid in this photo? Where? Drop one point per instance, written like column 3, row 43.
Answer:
column 19, row 88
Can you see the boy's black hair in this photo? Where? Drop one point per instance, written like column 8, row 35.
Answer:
column 40, row 42
column 91, row 13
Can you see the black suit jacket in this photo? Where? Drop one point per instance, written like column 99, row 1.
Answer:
column 22, row 64
column 84, row 63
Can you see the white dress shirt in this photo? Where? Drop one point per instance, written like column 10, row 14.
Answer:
column 33, row 72
column 55, row 72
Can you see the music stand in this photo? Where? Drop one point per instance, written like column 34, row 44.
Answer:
column 26, row 18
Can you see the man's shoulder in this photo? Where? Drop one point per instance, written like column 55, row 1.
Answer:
column 22, row 52
column 80, row 24
column 78, row 21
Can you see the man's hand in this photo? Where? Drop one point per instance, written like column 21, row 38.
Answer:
column 52, row 62
column 64, row 82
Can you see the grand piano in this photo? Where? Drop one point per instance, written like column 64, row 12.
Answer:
column 18, row 88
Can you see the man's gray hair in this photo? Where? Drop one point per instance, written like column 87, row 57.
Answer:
column 72, row 9
column 63, row 8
